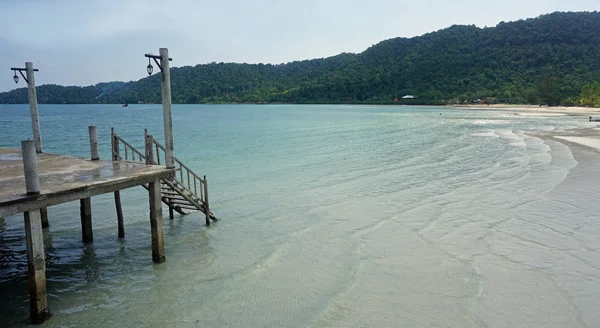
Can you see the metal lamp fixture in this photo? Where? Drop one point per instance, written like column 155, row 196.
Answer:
column 15, row 78
column 149, row 68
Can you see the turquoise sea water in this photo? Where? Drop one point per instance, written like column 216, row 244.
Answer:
column 331, row 216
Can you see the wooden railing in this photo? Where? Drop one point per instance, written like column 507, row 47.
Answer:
column 186, row 178
column 186, row 182
column 129, row 151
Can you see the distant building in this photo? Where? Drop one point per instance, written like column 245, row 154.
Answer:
column 409, row 97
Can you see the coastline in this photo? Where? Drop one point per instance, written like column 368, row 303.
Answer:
column 525, row 109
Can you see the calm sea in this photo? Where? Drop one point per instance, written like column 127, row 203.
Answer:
column 331, row 216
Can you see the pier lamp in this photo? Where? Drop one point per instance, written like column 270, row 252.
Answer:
column 149, row 68
column 20, row 70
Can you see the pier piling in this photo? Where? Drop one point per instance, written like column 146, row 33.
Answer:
column 156, row 222
column 85, row 209
column 119, row 214
column 36, row 267
column 114, row 150
column 44, row 215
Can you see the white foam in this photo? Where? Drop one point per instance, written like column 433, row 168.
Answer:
column 485, row 134
column 485, row 122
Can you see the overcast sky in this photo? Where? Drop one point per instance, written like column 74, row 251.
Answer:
column 83, row 42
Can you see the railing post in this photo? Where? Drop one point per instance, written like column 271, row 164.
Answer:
column 112, row 144
column 146, row 145
column 150, row 150
column 206, row 207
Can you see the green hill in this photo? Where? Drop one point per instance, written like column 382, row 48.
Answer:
column 542, row 60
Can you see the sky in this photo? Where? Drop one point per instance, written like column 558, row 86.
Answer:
column 75, row 42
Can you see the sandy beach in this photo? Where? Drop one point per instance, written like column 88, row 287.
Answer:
column 584, row 137
column 531, row 109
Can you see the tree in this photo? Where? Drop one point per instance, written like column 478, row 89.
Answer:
column 547, row 59
column 590, row 95
column 547, row 91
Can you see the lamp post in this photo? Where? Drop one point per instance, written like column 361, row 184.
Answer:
column 35, row 121
column 166, row 100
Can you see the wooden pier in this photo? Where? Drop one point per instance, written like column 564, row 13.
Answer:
column 62, row 179
column 31, row 180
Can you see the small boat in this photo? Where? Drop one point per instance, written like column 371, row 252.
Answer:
column 125, row 105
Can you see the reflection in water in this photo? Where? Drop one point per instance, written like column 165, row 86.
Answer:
column 82, row 276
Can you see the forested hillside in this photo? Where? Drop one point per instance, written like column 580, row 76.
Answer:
column 548, row 60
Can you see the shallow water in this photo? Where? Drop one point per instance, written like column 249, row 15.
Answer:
column 332, row 216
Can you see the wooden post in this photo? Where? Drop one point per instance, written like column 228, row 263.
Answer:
column 44, row 215
column 114, row 148
column 165, row 75
column 85, row 209
column 93, row 143
column 171, row 214
column 32, row 183
column 206, row 207
column 35, row 121
column 85, row 204
column 32, row 180
column 146, row 145
column 36, row 267
column 119, row 214
column 150, row 150
column 156, row 222
column 114, row 142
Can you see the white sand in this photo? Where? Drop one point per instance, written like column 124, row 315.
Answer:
column 591, row 142
column 523, row 109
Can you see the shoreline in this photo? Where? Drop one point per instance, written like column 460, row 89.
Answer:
column 532, row 109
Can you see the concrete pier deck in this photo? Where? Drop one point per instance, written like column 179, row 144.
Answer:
column 64, row 179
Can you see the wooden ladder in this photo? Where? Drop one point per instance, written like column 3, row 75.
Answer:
column 187, row 191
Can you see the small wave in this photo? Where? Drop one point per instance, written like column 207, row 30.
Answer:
column 485, row 134
column 485, row 122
